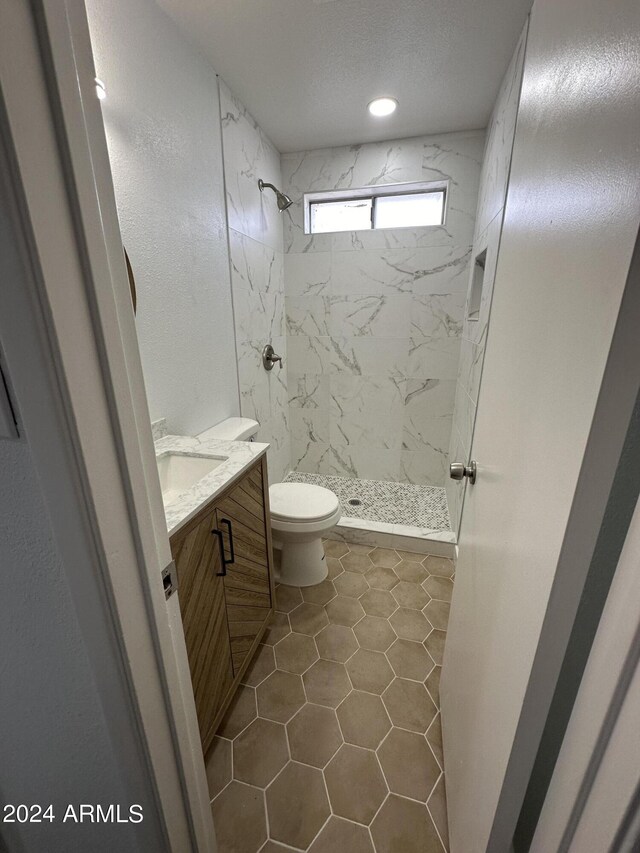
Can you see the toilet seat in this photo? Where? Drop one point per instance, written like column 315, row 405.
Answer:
column 302, row 503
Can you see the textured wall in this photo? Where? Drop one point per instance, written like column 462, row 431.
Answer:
column 491, row 201
column 163, row 131
column 257, row 277
column 375, row 317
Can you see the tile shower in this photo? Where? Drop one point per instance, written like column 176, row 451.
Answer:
column 257, row 276
column 374, row 320
column 382, row 364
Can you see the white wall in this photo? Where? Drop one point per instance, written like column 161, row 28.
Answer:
column 163, row 131
column 375, row 317
column 50, row 706
column 257, row 277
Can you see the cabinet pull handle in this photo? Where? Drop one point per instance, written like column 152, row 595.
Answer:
column 232, row 558
column 218, row 533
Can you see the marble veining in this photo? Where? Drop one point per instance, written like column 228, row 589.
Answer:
column 239, row 456
column 375, row 318
column 257, row 277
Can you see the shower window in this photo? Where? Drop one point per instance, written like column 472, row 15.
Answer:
column 414, row 205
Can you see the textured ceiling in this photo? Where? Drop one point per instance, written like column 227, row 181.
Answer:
column 306, row 69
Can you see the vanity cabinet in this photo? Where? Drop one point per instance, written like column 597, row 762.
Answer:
column 223, row 559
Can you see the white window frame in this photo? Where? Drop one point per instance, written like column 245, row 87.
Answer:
column 373, row 192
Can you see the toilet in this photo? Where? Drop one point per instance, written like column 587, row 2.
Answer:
column 301, row 514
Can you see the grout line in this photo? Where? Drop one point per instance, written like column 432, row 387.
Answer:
column 440, row 777
column 379, row 809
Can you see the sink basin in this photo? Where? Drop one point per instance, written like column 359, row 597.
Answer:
column 178, row 473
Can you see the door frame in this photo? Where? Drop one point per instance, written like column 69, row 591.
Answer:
column 71, row 357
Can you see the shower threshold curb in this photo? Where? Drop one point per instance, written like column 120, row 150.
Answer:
column 360, row 531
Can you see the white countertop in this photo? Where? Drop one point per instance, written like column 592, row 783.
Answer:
column 240, row 456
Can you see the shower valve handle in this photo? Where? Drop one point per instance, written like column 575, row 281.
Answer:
column 269, row 358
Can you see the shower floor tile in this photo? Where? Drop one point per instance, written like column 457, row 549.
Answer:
column 345, row 753
column 381, row 501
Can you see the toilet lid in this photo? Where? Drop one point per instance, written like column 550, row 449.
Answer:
column 301, row 502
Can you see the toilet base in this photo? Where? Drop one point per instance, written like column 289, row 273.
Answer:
column 302, row 563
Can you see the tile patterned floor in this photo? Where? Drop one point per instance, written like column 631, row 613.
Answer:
column 333, row 743
column 392, row 503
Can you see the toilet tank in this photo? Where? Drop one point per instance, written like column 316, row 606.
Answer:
column 232, row 429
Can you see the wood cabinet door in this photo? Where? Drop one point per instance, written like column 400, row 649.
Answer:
column 201, row 593
column 241, row 515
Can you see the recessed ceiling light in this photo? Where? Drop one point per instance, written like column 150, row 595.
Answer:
column 383, row 106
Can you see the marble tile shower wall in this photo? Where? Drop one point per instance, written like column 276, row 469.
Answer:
column 257, row 276
column 488, row 228
column 374, row 318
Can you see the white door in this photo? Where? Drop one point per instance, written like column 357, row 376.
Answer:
column 571, row 220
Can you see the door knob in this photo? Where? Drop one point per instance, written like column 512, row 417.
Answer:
column 458, row 471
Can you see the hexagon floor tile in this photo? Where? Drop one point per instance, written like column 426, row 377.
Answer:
column 342, row 836
column 404, row 825
column 410, row 624
column 260, row 753
column 412, row 572
column 363, row 719
column 381, row 577
column 239, row 818
column 308, row 618
column 261, row 666
column 409, row 705
column 384, row 557
column 336, row 726
column 320, row 593
column 287, row 597
column 351, row 584
column 295, row 653
column 297, row 826
column 408, row 765
column 326, row 683
column 242, row 711
column 277, row 628
column 410, row 595
column 314, row 735
column 438, row 588
column 344, row 611
column 437, row 612
column 355, row 783
column 374, row 633
column 280, row 696
column 410, row 660
column 378, row 602
column 359, row 563
column 336, row 642
column 333, row 548
column 369, row 671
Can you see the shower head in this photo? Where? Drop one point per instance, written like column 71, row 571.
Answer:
column 283, row 200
